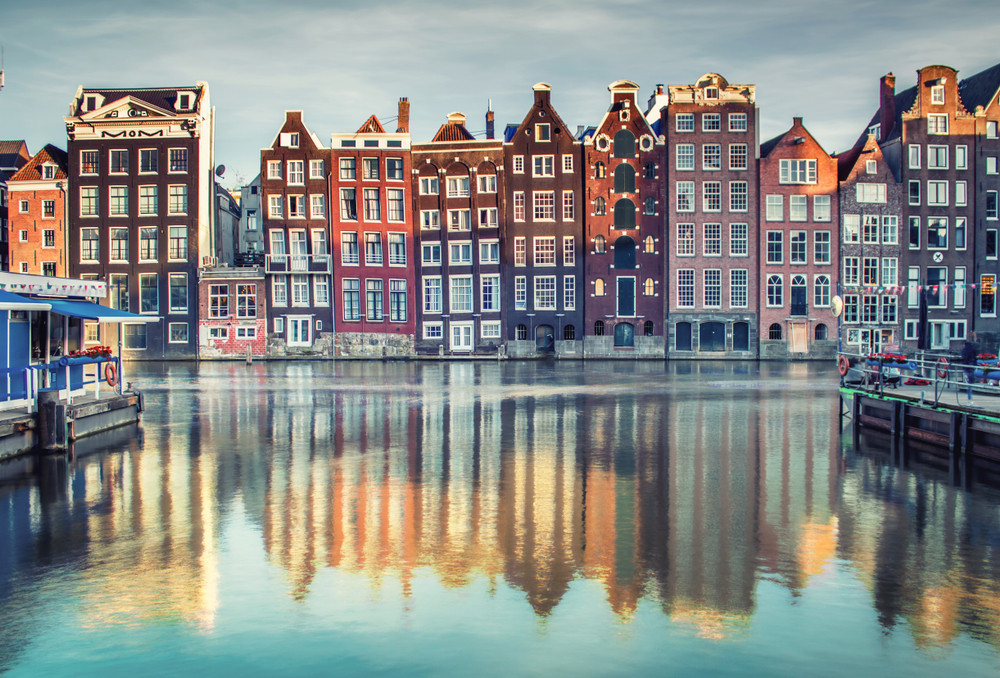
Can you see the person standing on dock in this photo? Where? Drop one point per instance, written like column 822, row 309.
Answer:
column 969, row 354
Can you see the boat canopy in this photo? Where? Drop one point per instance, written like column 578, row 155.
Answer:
column 15, row 302
column 91, row 311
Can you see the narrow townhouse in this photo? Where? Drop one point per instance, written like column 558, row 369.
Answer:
column 13, row 156
column 38, row 193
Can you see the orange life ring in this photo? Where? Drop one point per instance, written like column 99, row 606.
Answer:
column 110, row 375
column 843, row 364
column 942, row 370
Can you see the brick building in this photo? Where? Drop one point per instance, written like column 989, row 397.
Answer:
column 13, row 156
column 798, row 267
column 372, row 233
column 624, row 261
column 232, row 313
column 37, row 196
column 711, row 133
column 294, row 185
column 141, row 206
column 871, row 208
column 458, row 182
column 542, row 239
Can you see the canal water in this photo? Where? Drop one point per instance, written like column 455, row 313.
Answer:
column 493, row 519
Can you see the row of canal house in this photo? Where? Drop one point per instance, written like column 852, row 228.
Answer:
column 665, row 230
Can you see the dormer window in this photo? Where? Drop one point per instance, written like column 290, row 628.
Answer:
column 290, row 139
column 876, row 131
column 90, row 103
column 871, row 167
column 937, row 94
column 543, row 132
column 48, row 171
column 712, row 93
column 184, row 102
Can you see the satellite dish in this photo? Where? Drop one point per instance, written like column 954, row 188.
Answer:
column 220, row 170
column 837, row 304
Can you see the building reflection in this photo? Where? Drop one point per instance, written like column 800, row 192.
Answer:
column 680, row 487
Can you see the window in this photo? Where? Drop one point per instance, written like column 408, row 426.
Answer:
column 275, row 207
column 487, row 183
column 821, row 247
column 870, row 229
column 429, row 186
column 148, row 293
column 349, row 254
column 569, row 333
column 177, row 199
column 296, row 207
column 48, row 238
column 775, row 210
column 119, row 244
column 461, row 294
column 178, row 160
column 711, row 196
column 738, row 196
column 937, row 157
column 545, row 251
column 518, row 164
column 685, row 156
column 543, row 132
column 914, row 192
column 961, row 194
column 914, row 156
column 890, row 266
column 296, row 172
column 937, row 233
column 397, row 249
column 890, row 230
column 797, row 251
column 961, row 157
column 134, row 336
column 797, row 207
column 914, row 233
column 821, row 291
column 118, row 201
column 958, row 300
column 489, row 286
column 775, row 247
column 23, row 207
column 369, row 169
column 519, row 251
column 458, row 187
column 871, row 167
column 373, row 249
column 544, row 203
column 348, row 169
column 373, row 205
column 148, row 200
column 519, row 206
column 712, row 242
column 119, row 162
column 991, row 205
column 869, row 270
column 737, row 156
column 711, row 122
column 90, row 247
column 459, row 220
column 870, row 193
column 711, row 157
column 937, row 94
column 317, row 206
column 937, row 124
column 394, row 169
column 349, row 204
column 991, row 243
column 737, row 122
column 684, row 122
column 685, row 196
column 987, row 294
column 624, row 144
column 775, row 291
column 599, row 170
column 960, row 234
column 88, row 201
column 432, row 295
column 397, row 301
column 567, row 163
column 430, row 254
column 177, row 246
column 648, row 245
column 685, row 288
column 738, row 240
column 912, row 286
column 937, row 282
column 713, row 288
column 394, row 204
column 374, row 299
column 460, row 253
column 544, row 166
column 316, row 169
column 351, row 293
column 569, row 209
column 89, row 162
column 797, row 171
column 569, row 292
column 300, row 290
column 649, row 206
column 738, row 286
column 246, row 301
column 937, row 193
column 177, row 292
column 273, row 169
column 520, row 293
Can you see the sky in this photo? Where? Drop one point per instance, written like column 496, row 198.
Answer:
column 339, row 62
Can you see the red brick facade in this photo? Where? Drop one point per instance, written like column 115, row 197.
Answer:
column 232, row 312
column 38, row 215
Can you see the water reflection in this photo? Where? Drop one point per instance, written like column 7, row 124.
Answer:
column 686, row 485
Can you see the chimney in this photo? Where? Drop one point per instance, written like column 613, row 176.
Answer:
column 887, row 104
column 403, row 120
column 543, row 91
column 796, row 122
column 489, row 120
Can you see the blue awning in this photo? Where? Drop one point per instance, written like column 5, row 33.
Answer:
column 15, row 302
column 92, row 311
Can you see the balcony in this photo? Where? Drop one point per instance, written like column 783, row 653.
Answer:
column 298, row 263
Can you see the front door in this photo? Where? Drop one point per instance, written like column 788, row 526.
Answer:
column 545, row 339
column 939, row 336
column 712, row 336
column 800, row 343
column 461, row 336
column 300, row 331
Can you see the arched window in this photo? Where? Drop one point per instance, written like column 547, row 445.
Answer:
column 649, row 245
column 624, row 214
column 649, row 171
column 569, row 333
column 599, row 170
column 624, row 144
column 774, row 332
column 821, row 291
column 599, row 328
column 624, row 253
column 599, row 244
column 775, row 291
column 624, row 335
column 647, row 328
column 649, row 206
column 821, row 332
column 624, row 178
column 599, row 206
column 648, row 287
column 522, row 332
column 599, row 287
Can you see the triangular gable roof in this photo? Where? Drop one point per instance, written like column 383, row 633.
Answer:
column 980, row 89
column 163, row 98
column 129, row 102
column 770, row 144
column 372, row 126
column 13, row 154
column 32, row 171
column 511, row 130
column 452, row 131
